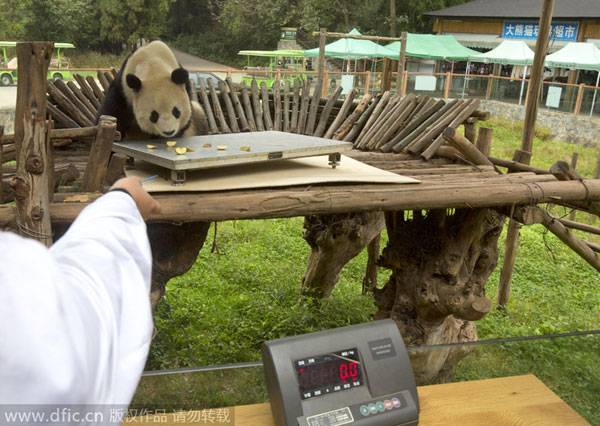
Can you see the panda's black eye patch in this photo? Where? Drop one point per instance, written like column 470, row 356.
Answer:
column 154, row 117
column 176, row 112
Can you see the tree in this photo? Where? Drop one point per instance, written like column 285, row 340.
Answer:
column 12, row 19
column 130, row 21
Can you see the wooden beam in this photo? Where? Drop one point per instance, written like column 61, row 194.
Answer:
column 359, row 37
column 97, row 164
column 279, row 203
column 465, row 147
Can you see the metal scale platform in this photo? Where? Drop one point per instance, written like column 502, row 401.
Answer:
column 262, row 147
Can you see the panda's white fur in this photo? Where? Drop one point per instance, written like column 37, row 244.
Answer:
column 150, row 96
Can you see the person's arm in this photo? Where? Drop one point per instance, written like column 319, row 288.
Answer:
column 81, row 313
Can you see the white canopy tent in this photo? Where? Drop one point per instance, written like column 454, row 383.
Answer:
column 578, row 56
column 509, row 52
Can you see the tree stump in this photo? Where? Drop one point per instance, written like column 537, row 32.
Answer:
column 440, row 262
column 175, row 248
column 334, row 240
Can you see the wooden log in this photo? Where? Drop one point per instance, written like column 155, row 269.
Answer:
column 116, row 169
column 401, row 120
column 594, row 247
column 466, row 148
column 60, row 116
column 418, row 118
column 233, row 125
column 385, row 128
column 452, row 119
column 513, row 166
column 400, row 145
column 30, row 185
column 386, row 76
column 510, row 255
column 574, row 158
column 75, row 133
column 69, row 92
column 327, row 112
column 481, row 115
column 248, row 107
column 66, row 175
column 379, row 126
column 360, row 124
column 314, row 106
column 303, row 115
column 110, row 77
column 50, row 159
column 103, row 81
column 341, row 115
column 360, row 142
column 352, row 118
column 471, row 132
column 99, row 154
column 295, row 106
column 279, row 203
column 210, row 116
column 218, row 111
column 286, row 107
column 258, row 115
column 194, row 95
column 370, row 279
column 264, row 96
column 73, row 111
column 98, row 92
column 533, row 214
column 83, row 99
column 277, row 106
column 244, row 127
column 579, row 226
column 87, row 90
column 484, row 140
column 564, row 172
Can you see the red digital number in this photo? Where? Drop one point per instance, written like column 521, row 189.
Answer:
column 353, row 370
column 343, row 371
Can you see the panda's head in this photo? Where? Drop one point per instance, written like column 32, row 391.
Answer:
column 155, row 87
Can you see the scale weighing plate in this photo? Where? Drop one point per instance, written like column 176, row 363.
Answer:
column 263, row 146
column 358, row 375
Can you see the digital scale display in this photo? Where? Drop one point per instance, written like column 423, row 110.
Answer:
column 358, row 375
column 332, row 372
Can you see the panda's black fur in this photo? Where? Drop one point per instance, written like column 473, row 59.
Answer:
column 152, row 90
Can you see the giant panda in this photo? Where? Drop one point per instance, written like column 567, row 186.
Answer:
column 151, row 96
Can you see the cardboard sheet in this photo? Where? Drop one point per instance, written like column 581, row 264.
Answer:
column 303, row 171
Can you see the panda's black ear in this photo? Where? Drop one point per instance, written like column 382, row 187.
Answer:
column 133, row 82
column 180, row 76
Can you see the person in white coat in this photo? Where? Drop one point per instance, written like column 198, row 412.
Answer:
column 75, row 318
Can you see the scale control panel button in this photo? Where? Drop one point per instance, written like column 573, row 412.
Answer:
column 364, row 410
column 380, row 406
column 372, row 408
column 396, row 402
column 388, row 404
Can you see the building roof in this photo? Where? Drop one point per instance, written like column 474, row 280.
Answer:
column 563, row 9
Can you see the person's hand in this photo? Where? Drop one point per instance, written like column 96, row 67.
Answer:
column 144, row 201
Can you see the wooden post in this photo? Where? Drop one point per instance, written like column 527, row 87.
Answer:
column 533, row 91
column 579, row 100
column 30, row 184
column 401, row 65
column 367, row 82
column 574, row 158
column 325, row 85
column 386, row 78
column 321, row 65
column 537, row 70
column 484, row 140
column 405, row 83
column 465, row 147
column 492, row 81
column 447, row 86
column 471, row 130
column 97, row 164
column 597, row 170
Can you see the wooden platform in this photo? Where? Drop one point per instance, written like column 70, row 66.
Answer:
column 519, row 400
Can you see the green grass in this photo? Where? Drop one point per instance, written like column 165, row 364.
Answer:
column 230, row 305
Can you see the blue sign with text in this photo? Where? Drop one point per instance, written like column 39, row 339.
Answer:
column 560, row 31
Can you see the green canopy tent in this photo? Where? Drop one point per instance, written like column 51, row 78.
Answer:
column 352, row 48
column 578, row 56
column 430, row 46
